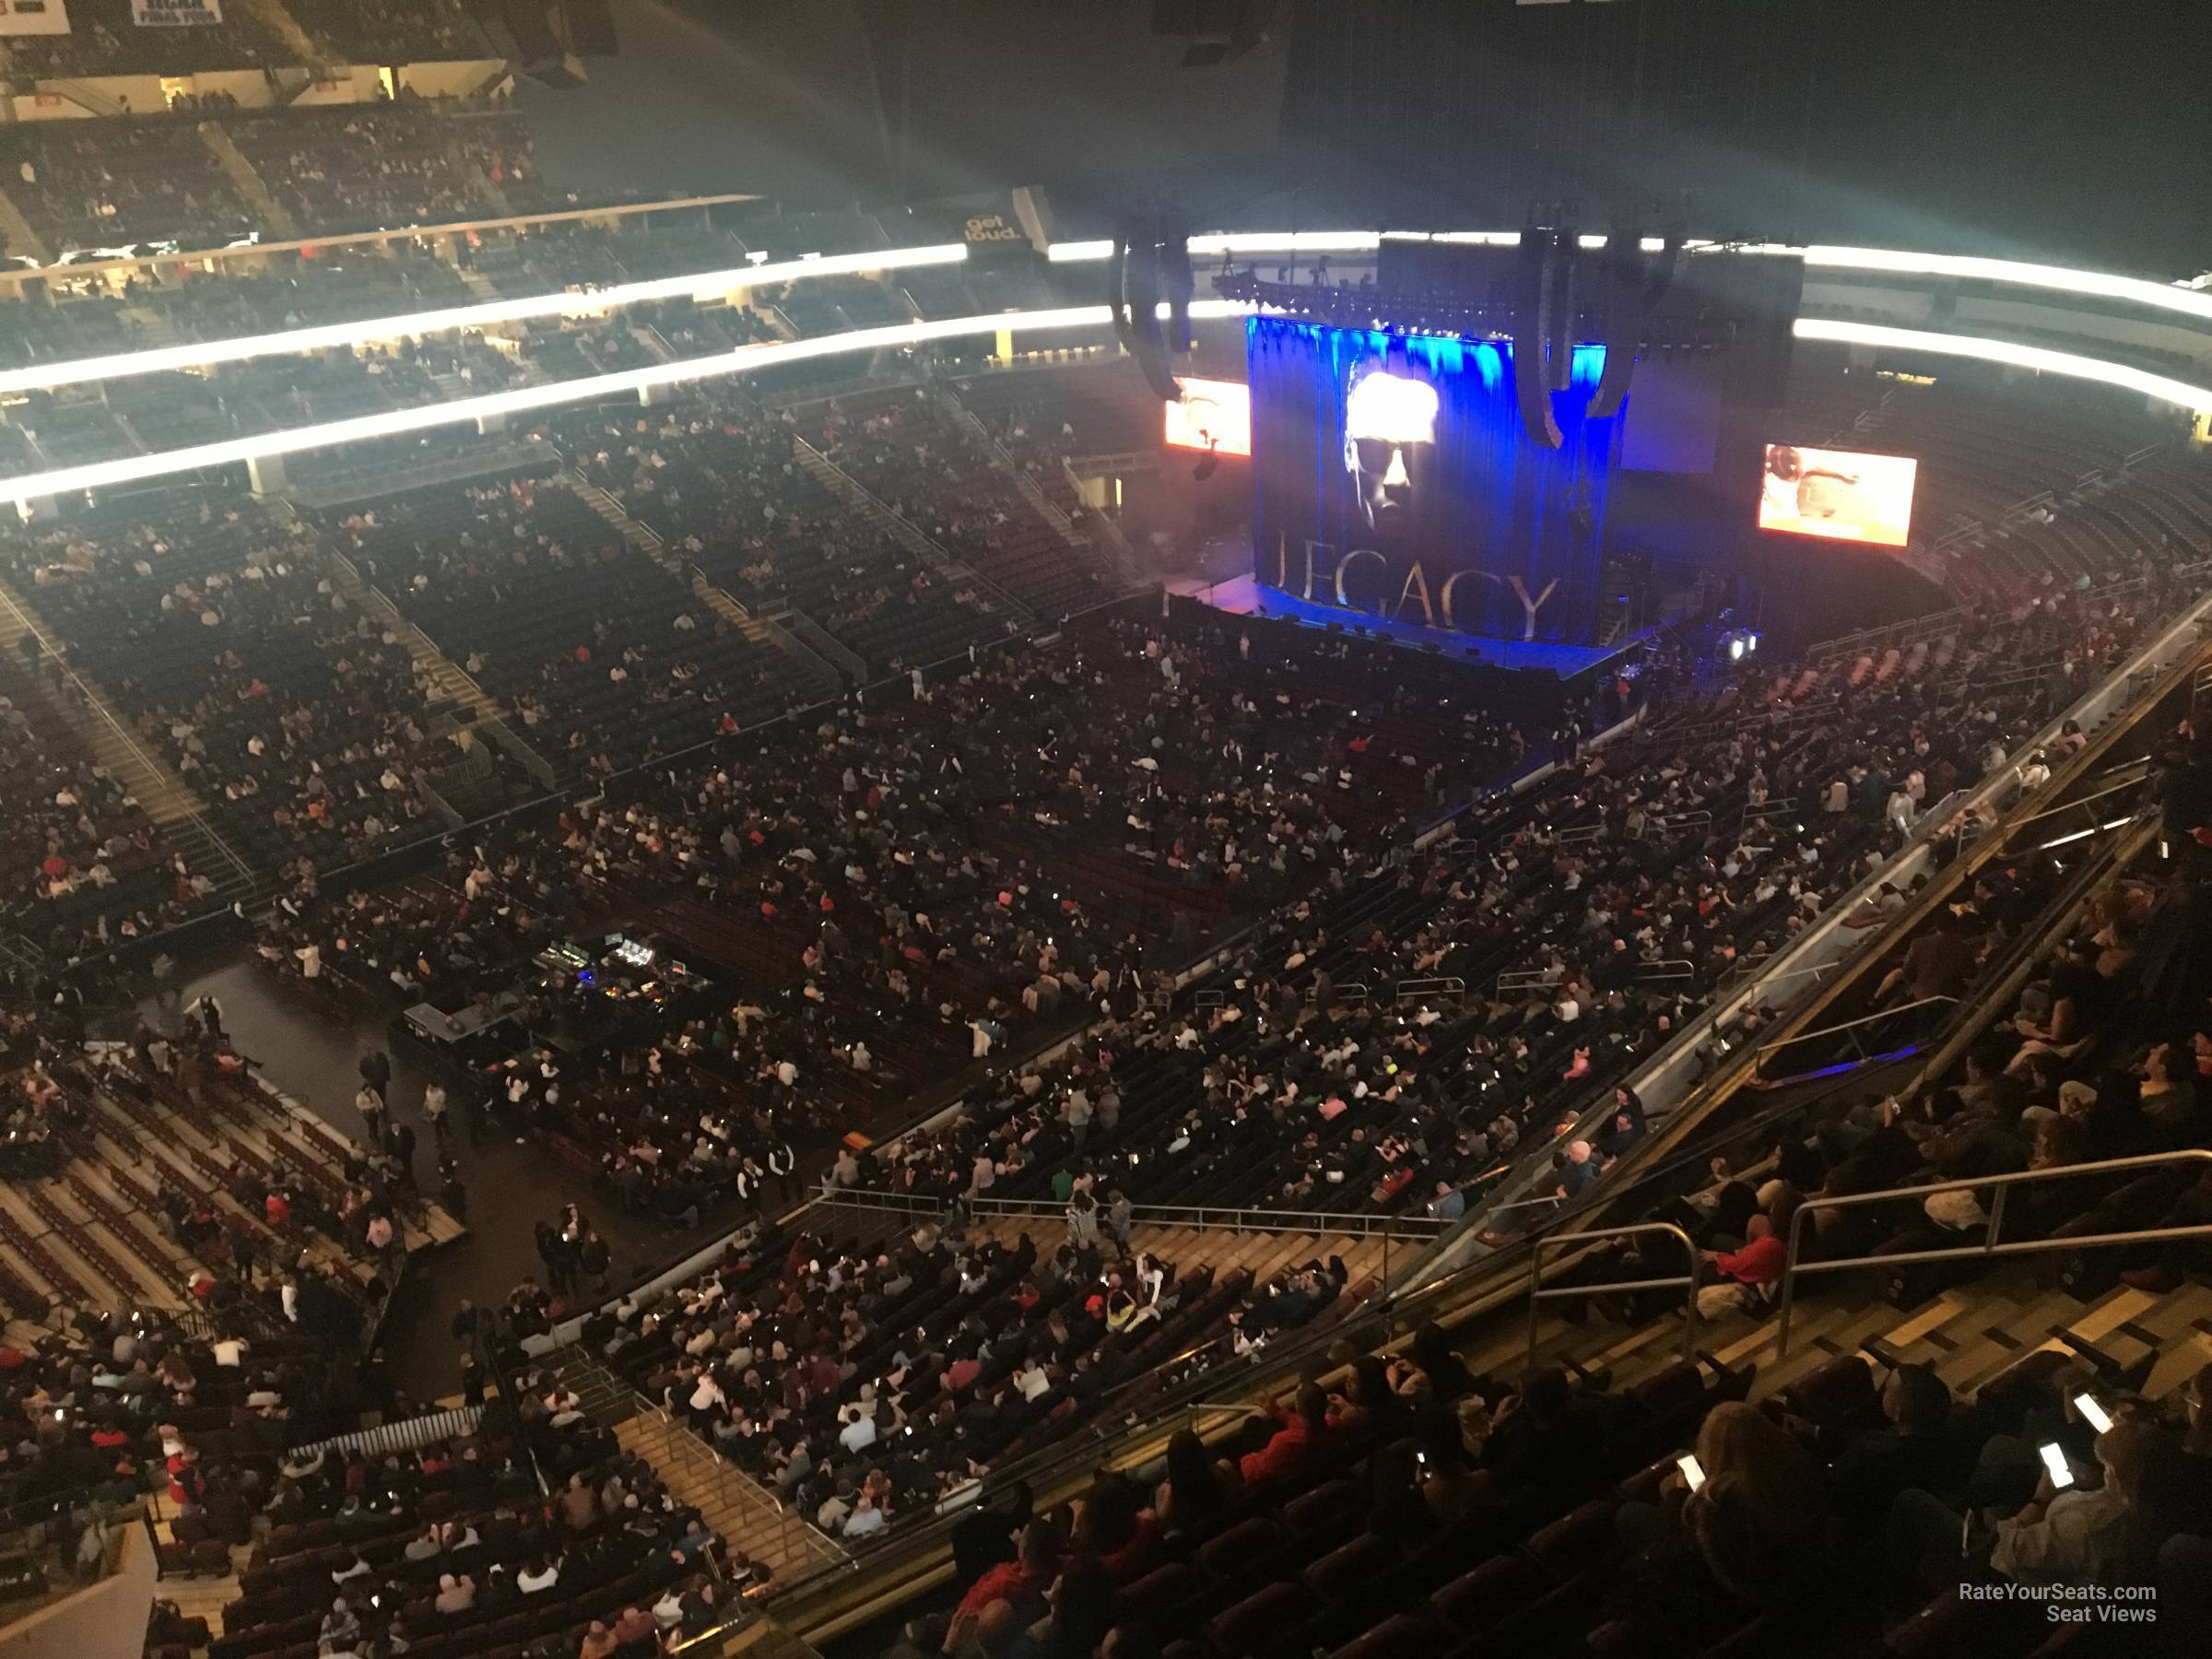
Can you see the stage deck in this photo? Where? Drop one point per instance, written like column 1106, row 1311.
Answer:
column 1241, row 596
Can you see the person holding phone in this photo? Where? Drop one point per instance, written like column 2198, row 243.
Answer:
column 2077, row 1532
column 2105, row 1522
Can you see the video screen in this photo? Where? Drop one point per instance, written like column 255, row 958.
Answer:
column 1394, row 475
column 1214, row 415
column 1840, row 495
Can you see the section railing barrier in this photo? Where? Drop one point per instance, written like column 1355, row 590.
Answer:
column 407, row 1435
column 1993, row 1241
column 2126, row 786
column 1527, row 980
column 1911, row 631
column 1540, row 1293
column 1241, row 1219
column 608, row 1398
column 1421, row 990
column 1682, row 1067
column 1353, row 995
column 1879, row 1017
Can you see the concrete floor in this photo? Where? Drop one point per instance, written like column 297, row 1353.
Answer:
column 511, row 1185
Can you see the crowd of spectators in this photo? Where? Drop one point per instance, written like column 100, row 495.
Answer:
column 95, row 185
column 155, row 177
column 718, row 482
column 534, row 1531
column 218, row 629
column 89, row 856
column 105, row 37
column 384, row 167
column 392, row 31
column 864, row 1384
column 1413, row 1507
column 1620, row 893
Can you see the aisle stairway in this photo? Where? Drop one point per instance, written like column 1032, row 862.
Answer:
column 445, row 678
column 901, row 530
column 1109, row 551
column 746, row 1513
column 160, row 791
column 1969, row 1334
column 247, row 182
column 816, row 678
column 16, row 232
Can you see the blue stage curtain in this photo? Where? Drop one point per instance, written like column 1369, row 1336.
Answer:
column 1486, row 502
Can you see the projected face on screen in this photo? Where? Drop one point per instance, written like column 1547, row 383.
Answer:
column 1389, row 434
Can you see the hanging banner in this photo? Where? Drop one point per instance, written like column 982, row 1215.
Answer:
column 34, row 18
column 176, row 13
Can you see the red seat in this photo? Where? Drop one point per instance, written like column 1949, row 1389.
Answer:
column 1476, row 1599
column 1329, row 1506
column 1237, row 1552
column 1340, row 1573
column 1153, row 1598
column 1675, row 1386
column 1259, row 1623
column 1401, row 1636
column 1576, row 1536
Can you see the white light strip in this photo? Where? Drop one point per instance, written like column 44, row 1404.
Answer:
column 522, row 400
column 2179, row 298
column 2088, row 285
column 2010, row 353
column 701, row 285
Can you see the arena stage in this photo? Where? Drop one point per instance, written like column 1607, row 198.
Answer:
column 1241, row 596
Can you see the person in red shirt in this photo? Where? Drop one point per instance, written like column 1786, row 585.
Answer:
column 1302, row 1436
column 1758, row 1265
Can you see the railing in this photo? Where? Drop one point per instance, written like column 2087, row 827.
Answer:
column 1118, row 551
column 1421, row 990
column 1540, row 1293
column 1527, row 979
column 1242, row 1218
column 404, row 1436
column 1351, row 997
column 1991, row 1244
column 834, row 653
column 600, row 1391
column 1878, row 1016
column 1678, row 1071
column 386, row 474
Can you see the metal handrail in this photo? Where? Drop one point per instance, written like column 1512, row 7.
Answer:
column 1353, row 994
column 2120, row 788
column 1910, row 631
column 1879, row 1014
column 1237, row 1218
column 1539, row 1292
column 734, row 1481
column 1991, row 1245
column 1445, row 984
